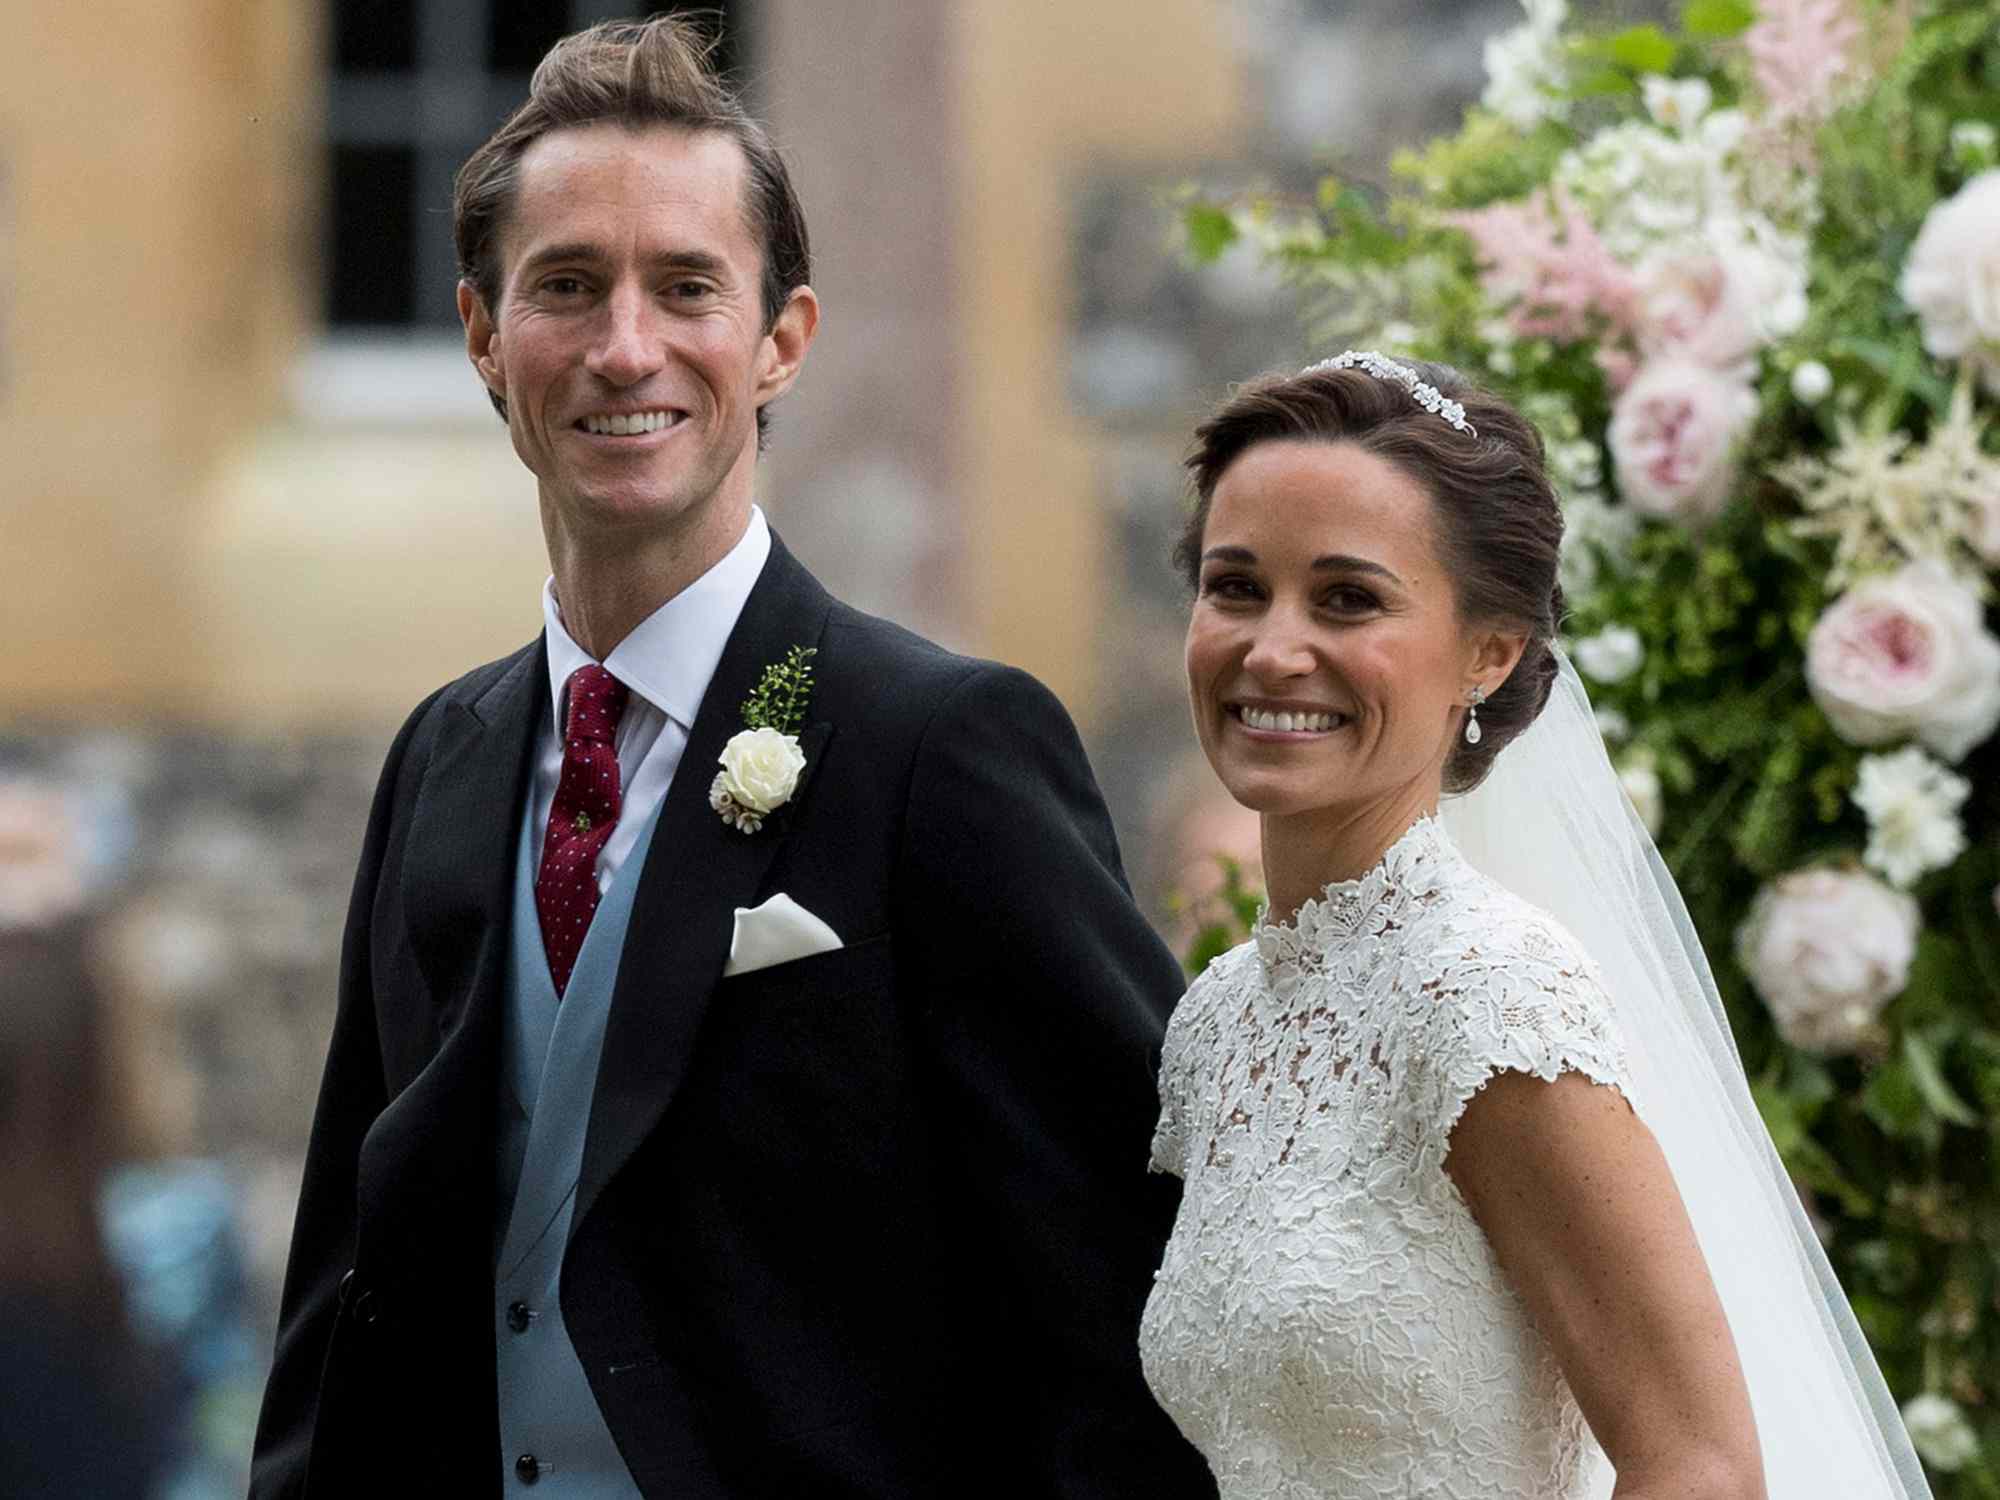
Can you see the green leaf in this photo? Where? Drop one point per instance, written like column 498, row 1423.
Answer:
column 1210, row 230
column 1641, row 49
column 1601, row 83
column 1894, row 1102
column 1715, row 20
column 1930, row 1082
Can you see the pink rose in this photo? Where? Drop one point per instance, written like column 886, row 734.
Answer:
column 1827, row 949
column 1907, row 654
column 1674, row 436
column 1952, row 278
column 1717, row 306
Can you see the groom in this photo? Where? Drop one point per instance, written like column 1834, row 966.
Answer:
column 780, row 1133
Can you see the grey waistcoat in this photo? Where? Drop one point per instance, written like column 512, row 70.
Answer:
column 551, row 1431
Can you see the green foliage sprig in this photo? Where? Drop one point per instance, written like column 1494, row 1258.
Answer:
column 780, row 697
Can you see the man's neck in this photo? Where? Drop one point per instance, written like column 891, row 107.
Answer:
column 605, row 591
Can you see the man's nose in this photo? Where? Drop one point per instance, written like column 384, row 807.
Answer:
column 627, row 347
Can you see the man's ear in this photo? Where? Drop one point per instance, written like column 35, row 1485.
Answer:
column 480, row 336
column 790, row 336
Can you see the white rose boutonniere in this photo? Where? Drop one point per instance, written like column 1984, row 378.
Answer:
column 762, row 764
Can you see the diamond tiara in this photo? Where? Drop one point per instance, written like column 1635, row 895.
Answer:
column 1429, row 397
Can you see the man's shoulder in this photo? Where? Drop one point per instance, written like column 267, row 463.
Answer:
column 899, row 670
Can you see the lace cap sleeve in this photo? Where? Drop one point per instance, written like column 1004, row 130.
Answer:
column 1524, row 998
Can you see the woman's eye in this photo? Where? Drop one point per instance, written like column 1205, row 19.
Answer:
column 1229, row 586
column 1350, row 600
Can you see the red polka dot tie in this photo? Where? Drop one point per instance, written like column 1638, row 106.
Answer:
column 581, row 819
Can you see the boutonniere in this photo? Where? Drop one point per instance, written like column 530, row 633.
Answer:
column 761, row 764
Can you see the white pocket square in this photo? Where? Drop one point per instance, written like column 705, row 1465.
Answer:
column 777, row 932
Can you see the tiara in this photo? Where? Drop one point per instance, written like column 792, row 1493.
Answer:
column 1429, row 397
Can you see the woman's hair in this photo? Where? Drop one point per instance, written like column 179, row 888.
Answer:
column 1498, row 523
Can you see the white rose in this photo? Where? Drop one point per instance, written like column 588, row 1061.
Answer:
column 1827, row 949
column 1939, row 1431
column 1907, row 654
column 1952, row 277
column 1912, row 805
column 1642, row 785
column 760, row 769
column 1674, row 436
column 1612, row 655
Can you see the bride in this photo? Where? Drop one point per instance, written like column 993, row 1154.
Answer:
column 1476, row 1202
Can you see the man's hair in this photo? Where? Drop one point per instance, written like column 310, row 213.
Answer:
column 638, row 74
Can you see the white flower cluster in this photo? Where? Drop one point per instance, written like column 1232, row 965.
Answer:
column 1884, row 499
column 1911, row 803
column 1940, row 1431
column 1524, row 67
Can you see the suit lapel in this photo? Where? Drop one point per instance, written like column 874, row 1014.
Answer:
column 698, row 871
column 457, row 877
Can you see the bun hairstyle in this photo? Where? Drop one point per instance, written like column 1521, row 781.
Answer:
column 1499, row 525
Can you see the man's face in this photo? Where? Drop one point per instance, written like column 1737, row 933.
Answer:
column 629, row 340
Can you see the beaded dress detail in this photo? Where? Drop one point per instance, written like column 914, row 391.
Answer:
column 1329, row 1322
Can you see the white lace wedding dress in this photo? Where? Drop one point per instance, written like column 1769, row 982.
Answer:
column 1329, row 1323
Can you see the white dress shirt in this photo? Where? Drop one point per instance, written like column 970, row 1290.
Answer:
column 667, row 662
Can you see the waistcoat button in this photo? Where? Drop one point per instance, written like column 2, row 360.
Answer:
column 518, row 1316
column 527, row 1468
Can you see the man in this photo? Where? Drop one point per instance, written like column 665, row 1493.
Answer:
column 779, row 1134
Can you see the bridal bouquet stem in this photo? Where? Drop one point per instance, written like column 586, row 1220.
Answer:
column 1744, row 274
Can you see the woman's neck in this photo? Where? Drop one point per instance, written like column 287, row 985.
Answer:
column 1304, row 853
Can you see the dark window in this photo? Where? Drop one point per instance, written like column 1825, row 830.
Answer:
column 416, row 85
column 374, row 36
column 368, row 274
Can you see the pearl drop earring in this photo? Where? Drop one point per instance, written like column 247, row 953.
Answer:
column 1472, row 731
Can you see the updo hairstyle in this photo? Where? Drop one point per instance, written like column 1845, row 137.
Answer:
column 1499, row 526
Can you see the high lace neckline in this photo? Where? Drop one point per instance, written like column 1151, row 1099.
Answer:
column 1343, row 907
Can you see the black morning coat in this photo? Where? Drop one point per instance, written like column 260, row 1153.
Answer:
column 871, row 1223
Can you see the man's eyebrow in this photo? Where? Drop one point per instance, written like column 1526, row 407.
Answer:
column 1333, row 562
column 584, row 250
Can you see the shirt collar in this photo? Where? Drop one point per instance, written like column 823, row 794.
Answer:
column 670, row 656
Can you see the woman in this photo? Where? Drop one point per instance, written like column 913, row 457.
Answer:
column 1434, row 1238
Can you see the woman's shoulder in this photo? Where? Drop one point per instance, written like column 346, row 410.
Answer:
column 1512, row 990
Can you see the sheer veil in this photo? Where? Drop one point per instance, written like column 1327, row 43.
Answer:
column 1552, row 824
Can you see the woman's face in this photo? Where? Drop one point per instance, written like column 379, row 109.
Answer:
column 1327, row 664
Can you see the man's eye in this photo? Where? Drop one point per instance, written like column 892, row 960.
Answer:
column 563, row 286
column 686, row 290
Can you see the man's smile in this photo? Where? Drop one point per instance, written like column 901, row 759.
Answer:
column 630, row 424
